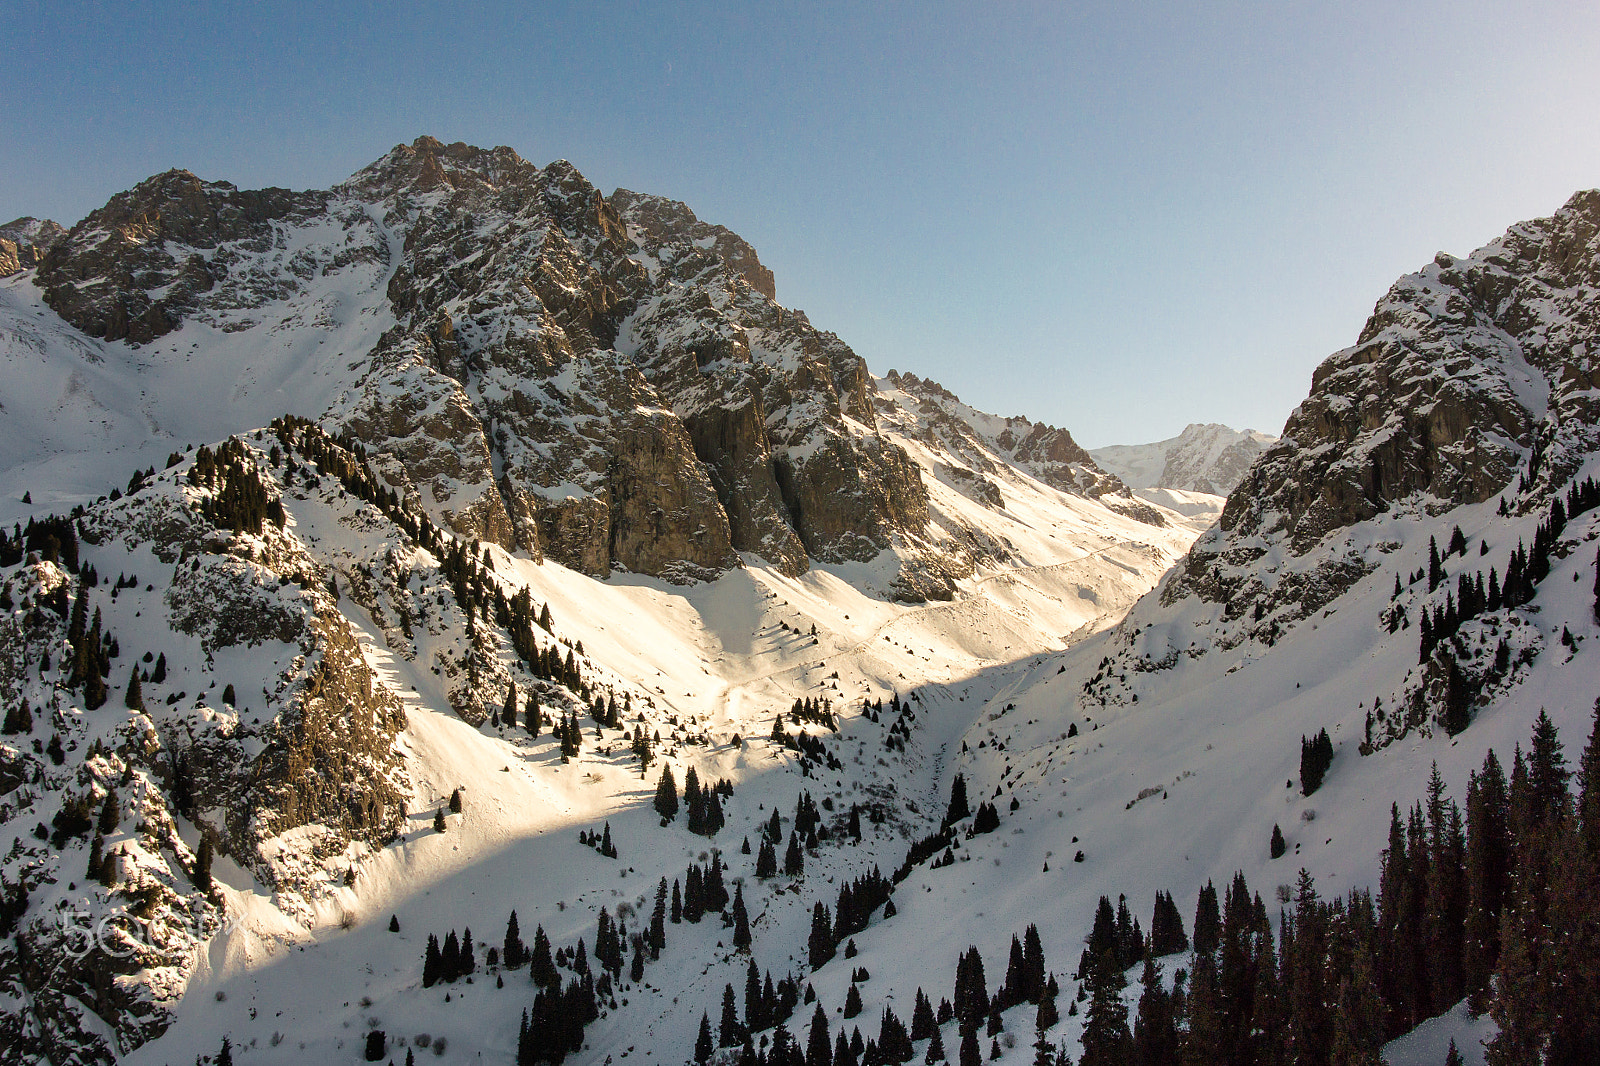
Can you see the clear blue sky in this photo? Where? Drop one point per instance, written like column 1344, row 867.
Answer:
column 1117, row 218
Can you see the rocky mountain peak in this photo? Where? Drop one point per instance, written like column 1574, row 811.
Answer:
column 660, row 223
column 24, row 242
column 1475, row 377
column 1205, row 457
column 133, row 269
column 607, row 382
column 427, row 164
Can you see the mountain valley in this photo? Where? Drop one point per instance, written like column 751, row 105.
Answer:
column 370, row 553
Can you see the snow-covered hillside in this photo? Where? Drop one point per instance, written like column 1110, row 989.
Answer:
column 329, row 647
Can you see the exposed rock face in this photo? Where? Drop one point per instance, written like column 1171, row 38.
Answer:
column 1468, row 372
column 607, row 382
column 301, row 777
column 24, row 241
column 987, row 443
column 133, row 269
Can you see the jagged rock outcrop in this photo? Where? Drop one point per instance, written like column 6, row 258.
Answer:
column 987, row 444
column 24, row 242
column 1474, row 377
column 133, row 269
column 608, row 382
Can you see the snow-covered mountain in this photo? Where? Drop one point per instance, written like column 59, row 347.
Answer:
column 343, row 451
column 365, row 461
column 1205, row 457
column 605, row 381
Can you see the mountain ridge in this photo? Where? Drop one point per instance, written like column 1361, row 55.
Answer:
column 1205, row 457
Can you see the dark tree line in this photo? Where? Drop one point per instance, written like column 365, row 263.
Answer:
column 240, row 499
column 1496, row 906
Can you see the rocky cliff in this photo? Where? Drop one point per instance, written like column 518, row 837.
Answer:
column 1474, row 377
column 24, row 242
column 1465, row 419
column 606, row 381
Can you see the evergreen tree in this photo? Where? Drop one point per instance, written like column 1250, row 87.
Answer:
column 1278, row 846
column 819, row 1049
column 432, row 963
column 542, row 968
column 793, row 859
column 1457, row 713
column 1358, row 1019
column 394, row 923
column 508, row 713
column 658, row 921
column 134, row 697
column 1487, row 859
column 1309, row 1020
column 1589, row 789
column 755, row 1015
column 766, row 861
column 1547, row 772
column 666, row 803
column 693, row 905
column 225, row 1056
column 820, row 945
column 1106, row 1038
column 936, row 1052
column 703, row 1045
column 1316, row 755
column 438, row 821
column 110, row 813
column 1597, row 589
column 730, row 1032
column 958, row 808
column 455, row 802
column 741, row 919
column 1207, row 920
column 1033, row 989
column 1155, row 1032
column 971, row 992
column 852, row 1001
column 970, row 1053
column 512, row 952
column 923, row 1024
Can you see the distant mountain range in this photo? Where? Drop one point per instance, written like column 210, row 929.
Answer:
column 1205, row 457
